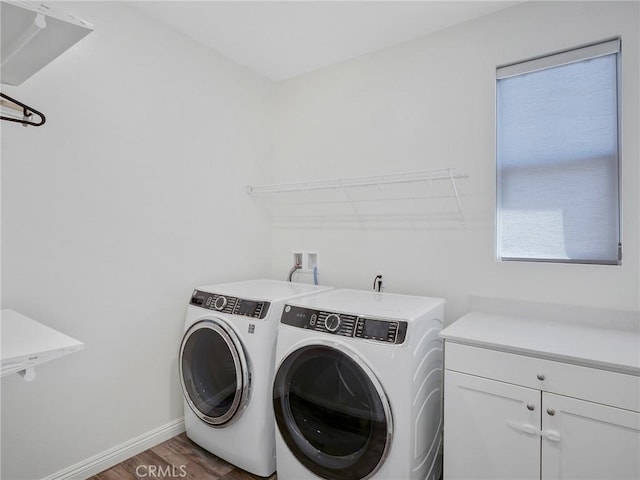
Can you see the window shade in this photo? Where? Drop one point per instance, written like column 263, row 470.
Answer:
column 557, row 159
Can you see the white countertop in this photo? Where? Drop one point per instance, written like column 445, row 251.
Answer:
column 27, row 343
column 608, row 349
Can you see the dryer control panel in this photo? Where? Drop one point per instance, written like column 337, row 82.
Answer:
column 230, row 305
column 345, row 324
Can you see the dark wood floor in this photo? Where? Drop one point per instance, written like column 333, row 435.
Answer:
column 177, row 458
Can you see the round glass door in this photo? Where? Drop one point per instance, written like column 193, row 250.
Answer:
column 332, row 413
column 213, row 372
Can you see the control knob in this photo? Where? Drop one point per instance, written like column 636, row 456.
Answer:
column 220, row 303
column 332, row 322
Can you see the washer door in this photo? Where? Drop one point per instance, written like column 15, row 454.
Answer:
column 332, row 412
column 213, row 372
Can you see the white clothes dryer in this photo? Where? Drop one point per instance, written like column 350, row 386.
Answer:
column 357, row 392
column 226, row 365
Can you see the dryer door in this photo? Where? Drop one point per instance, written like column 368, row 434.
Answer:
column 332, row 412
column 213, row 372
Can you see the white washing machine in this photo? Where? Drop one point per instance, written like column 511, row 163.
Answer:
column 226, row 365
column 357, row 392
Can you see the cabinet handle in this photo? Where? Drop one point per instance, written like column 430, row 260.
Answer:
column 552, row 435
column 551, row 411
column 540, row 376
column 531, row 406
column 524, row 428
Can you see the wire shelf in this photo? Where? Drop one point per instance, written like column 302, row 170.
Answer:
column 344, row 185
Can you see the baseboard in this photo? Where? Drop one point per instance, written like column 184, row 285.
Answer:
column 119, row 453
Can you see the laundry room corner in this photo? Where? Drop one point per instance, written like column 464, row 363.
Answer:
column 264, row 233
column 132, row 193
column 426, row 104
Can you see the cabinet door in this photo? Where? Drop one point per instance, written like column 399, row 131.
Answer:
column 584, row 440
column 491, row 429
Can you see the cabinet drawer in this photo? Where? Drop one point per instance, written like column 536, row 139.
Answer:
column 587, row 383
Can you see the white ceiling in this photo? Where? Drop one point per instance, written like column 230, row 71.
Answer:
column 283, row 39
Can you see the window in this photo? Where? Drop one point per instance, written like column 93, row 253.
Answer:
column 557, row 157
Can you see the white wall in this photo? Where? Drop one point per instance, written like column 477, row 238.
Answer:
column 134, row 192
column 130, row 195
column 429, row 103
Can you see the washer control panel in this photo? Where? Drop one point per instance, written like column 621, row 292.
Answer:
column 345, row 324
column 230, row 305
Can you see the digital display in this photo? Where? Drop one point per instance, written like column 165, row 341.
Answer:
column 247, row 308
column 375, row 329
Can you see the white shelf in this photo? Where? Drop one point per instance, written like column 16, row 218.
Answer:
column 27, row 343
column 450, row 174
column 286, row 192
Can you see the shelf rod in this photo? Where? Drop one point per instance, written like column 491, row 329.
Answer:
column 6, row 104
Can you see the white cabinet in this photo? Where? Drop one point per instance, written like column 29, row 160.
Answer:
column 590, row 440
column 486, row 426
column 539, row 413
